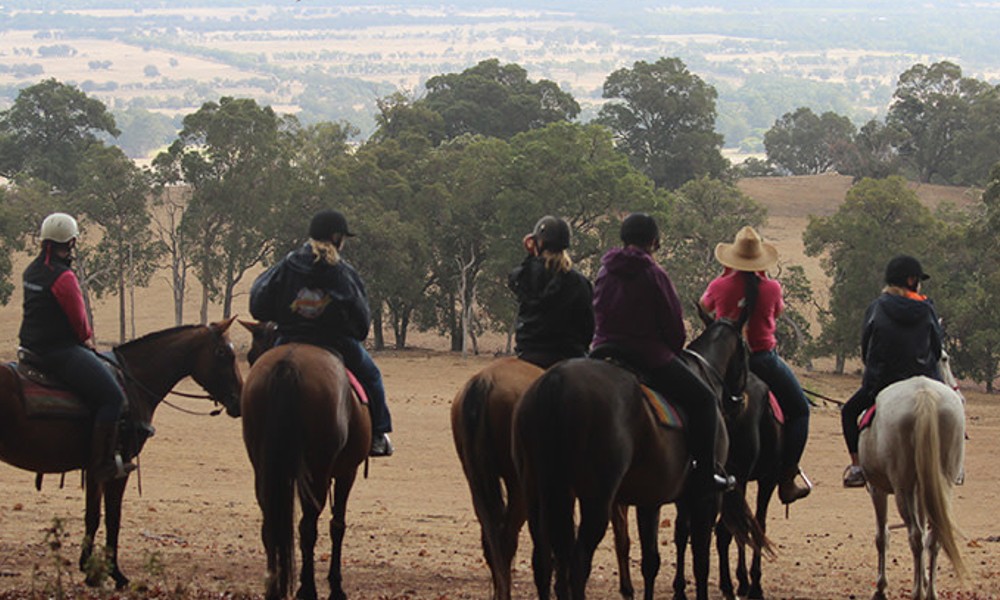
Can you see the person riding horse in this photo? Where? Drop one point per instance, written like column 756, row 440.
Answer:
column 56, row 331
column 901, row 338
column 637, row 310
column 744, row 284
column 316, row 297
column 555, row 314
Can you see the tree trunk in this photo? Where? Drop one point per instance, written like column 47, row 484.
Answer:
column 121, row 305
column 401, row 338
column 204, row 305
column 378, row 338
column 841, row 361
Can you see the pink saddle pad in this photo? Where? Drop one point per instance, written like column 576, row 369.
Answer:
column 356, row 386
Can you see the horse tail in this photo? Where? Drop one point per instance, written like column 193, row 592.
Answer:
column 743, row 525
column 933, row 490
column 280, row 473
column 480, row 462
column 547, row 478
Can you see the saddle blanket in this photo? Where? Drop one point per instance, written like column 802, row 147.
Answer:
column 359, row 390
column 866, row 418
column 50, row 401
column 779, row 415
column 666, row 413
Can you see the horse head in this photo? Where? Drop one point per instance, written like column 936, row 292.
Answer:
column 947, row 377
column 264, row 334
column 214, row 367
column 722, row 346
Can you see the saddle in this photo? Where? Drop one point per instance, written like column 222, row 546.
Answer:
column 44, row 395
column 667, row 413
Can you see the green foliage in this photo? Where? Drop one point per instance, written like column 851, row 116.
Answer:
column 663, row 117
column 143, row 131
column 878, row 220
column 496, row 101
column 872, row 153
column 47, row 131
column 802, row 143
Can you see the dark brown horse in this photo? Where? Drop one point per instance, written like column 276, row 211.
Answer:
column 755, row 439
column 152, row 366
column 584, row 432
column 303, row 428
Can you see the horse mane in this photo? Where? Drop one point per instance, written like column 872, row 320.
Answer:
column 151, row 337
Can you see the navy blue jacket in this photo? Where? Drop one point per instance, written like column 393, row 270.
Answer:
column 901, row 338
column 311, row 301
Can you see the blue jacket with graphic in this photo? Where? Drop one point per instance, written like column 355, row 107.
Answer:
column 312, row 301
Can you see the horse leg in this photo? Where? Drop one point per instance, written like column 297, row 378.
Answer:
column 704, row 513
column 906, row 503
column 764, row 492
column 595, row 512
column 648, row 520
column 91, row 521
column 682, row 530
column 312, row 504
column 114, row 491
column 338, row 527
column 619, row 527
column 514, row 518
column 541, row 553
column 931, row 545
column 723, row 537
column 881, row 503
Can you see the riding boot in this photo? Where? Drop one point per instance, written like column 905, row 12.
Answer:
column 788, row 488
column 711, row 481
column 105, row 461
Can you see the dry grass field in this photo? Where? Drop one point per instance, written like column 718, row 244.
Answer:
column 192, row 528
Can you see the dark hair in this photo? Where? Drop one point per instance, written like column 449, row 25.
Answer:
column 751, row 292
column 639, row 229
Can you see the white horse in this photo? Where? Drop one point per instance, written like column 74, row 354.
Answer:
column 914, row 448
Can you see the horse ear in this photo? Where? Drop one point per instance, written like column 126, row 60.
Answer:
column 250, row 326
column 223, row 326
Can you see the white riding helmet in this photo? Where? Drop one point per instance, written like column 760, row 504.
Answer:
column 59, row 227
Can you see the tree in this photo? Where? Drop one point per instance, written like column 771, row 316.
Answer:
column 113, row 194
column 47, row 131
column 496, row 101
column 932, row 104
column 171, row 199
column 878, row 220
column 802, row 143
column 236, row 157
column 872, row 153
column 664, row 121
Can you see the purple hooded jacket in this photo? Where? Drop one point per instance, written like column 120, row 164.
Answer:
column 636, row 307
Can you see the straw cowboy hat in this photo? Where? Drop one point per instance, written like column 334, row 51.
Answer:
column 747, row 252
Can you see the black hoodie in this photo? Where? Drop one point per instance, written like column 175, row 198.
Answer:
column 555, row 313
column 901, row 338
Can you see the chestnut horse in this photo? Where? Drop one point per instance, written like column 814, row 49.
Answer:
column 914, row 449
column 302, row 428
column 584, row 432
column 151, row 365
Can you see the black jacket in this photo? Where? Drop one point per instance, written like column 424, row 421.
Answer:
column 312, row 301
column 555, row 312
column 901, row 338
column 45, row 325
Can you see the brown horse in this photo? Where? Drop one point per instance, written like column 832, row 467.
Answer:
column 584, row 432
column 152, row 366
column 302, row 428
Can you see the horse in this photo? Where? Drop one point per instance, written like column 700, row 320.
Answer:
column 914, row 448
column 755, row 440
column 151, row 366
column 584, row 432
column 302, row 428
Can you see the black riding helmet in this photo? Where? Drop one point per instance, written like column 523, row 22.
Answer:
column 639, row 229
column 551, row 233
column 901, row 268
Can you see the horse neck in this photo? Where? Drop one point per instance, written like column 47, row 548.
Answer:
column 157, row 364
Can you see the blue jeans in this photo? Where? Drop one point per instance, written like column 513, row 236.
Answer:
column 80, row 368
column 775, row 373
column 357, row 359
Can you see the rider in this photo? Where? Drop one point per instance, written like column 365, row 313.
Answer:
column 55, row 328
column 555, row 314
column 901, row 338
column 744, row 282
column 637, row 310
column 317, row 298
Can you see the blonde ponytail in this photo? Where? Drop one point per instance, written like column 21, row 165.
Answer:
column 325, row 251
column 559, row 262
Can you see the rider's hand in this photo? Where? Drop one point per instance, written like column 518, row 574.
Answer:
column 89, row 342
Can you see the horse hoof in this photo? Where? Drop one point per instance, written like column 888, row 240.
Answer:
column 121, row 582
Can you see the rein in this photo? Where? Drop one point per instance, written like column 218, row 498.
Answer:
column 120, row 367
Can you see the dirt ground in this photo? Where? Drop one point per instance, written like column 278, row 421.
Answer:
column 193, row 530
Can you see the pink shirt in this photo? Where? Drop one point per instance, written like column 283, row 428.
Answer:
column 725, row 297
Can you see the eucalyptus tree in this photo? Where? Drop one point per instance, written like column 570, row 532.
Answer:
column 878, row 220
column 663, row 117
column 236, row 157
column 113, row 193
column 46, row 132
column 804, row 143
